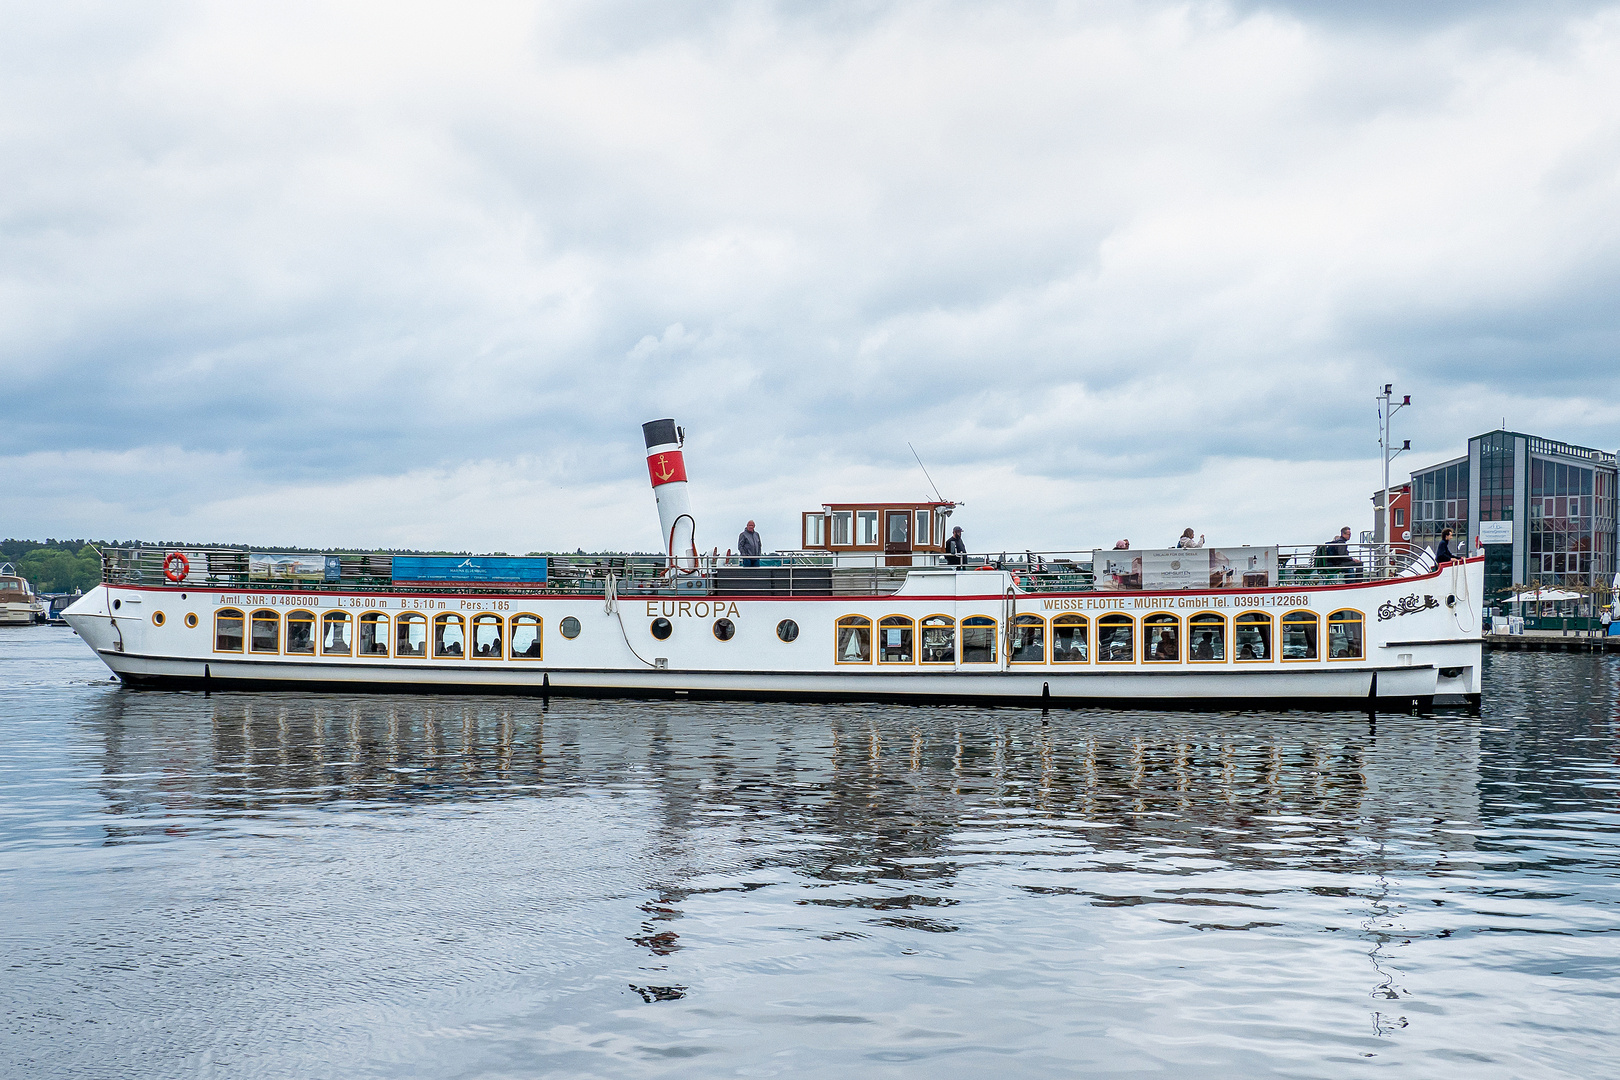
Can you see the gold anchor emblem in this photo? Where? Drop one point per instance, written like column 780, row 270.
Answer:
column 667, row 473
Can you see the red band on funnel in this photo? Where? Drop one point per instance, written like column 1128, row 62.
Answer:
column 666, row 468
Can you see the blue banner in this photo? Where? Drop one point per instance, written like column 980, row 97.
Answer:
column 473, row 568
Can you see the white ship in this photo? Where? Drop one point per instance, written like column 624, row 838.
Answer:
column 868, row 609
column 19, row 606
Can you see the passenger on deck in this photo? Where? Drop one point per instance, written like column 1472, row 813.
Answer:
column 1187, row 540
column 1442, row 551
column 749, row 545
column 1122, row 545
column 1337, row 551
column 956, row 549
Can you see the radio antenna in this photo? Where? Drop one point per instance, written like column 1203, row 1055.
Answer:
column 924, row 468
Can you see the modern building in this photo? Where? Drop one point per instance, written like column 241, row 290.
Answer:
column 1543, row 509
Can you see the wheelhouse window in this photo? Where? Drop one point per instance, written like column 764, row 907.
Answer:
column 978, row 640
column 449, row 636
column 854, row 640
column 526, row 637
column 1028, row 640
column 815, row 531
column 1344, row 635
column 842, row 527
column 939, row 640
column 266, row 632
column 1161, row 638
column 373, row 636
column 1299, row 635
column 229, row 627
column 1251, row 636
column 1116, row 639
column 335, row 640
column 1069, row 639
column 1206, row 637
column 301, row 632
column 410, row 634
column 866, row 528
column 486, row 636
column 896, row 640
column 922, row 527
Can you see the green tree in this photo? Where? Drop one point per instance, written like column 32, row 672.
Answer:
column 58, row 570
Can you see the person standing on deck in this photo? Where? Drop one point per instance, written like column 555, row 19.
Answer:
column 749, row 545
column 955, row 549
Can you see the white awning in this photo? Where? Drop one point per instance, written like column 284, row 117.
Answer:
column 1549, row 595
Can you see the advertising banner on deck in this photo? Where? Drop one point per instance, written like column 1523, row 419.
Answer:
column 1242, row 567
column 475, row 568
column 270, row 566
column 1161, row 569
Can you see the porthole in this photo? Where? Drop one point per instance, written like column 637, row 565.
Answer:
column 569, row 627
column 724, row 629
column 157, row 618
column 191, row 620
column 787, row 630
column 117, row 604
column 661, row 628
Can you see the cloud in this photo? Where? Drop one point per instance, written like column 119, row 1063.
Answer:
column 380, row 275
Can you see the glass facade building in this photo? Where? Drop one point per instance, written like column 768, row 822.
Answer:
column 1559, row 498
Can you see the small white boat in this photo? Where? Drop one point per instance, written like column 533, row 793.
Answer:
column 1197, row 628
column 19, row 606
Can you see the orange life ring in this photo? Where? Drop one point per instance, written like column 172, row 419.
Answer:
column 168, row 566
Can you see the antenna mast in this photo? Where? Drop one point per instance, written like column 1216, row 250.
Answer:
column 924, row 468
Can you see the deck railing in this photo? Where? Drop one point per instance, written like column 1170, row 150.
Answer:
column 791, row 573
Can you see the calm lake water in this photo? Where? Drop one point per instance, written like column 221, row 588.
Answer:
column 310, row 886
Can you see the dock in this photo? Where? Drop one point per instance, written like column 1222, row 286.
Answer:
column 1552, row 641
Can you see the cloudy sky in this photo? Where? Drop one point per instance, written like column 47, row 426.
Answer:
column 396, row 275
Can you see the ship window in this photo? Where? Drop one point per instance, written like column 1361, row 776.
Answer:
column 1344, row 635
column 1206, row 637
column 725, row 629
column 939, row 640
column 815, row 531
column 940, row 521
column 373, row 637
column 526, row 637
column 866, row 528
column 895, row 638
column 1028, row 640
column 410, row 635
column 1299, row 635
column 158, row 618
column 1069, row 639
column 335, row 634
column 978, row 640
column 266, row 632
column 922, row 528
column 787, row 630
column 449, row 636
column 228, row 630
column 854, row 640
column 840, row 527
column 486, row 637
column 569, row 627
column 662, row 628
column 301, row 632
column 191, row 620
column 1251, row 636
column 1161, row 638
column 1116, row 639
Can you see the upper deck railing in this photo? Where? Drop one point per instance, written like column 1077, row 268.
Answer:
column 791, row 573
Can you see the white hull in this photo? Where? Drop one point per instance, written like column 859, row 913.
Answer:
column 1413, row 654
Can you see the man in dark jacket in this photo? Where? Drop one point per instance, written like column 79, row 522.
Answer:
column 749, row 544
column 955, row 549
column 1338, row 554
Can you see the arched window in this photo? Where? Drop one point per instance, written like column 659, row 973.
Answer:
column 1028, row 640
column 229, row 630
column 486, row 637
column 301, row 633
column 1116, row 639
column 939, row 640
column 896, row 643
column 1161, row 638
column 1344, row 635
column 373, row 637
column 335, row 639
column 526, row 636
column 1206, row 638
column 854, row 640
column 1251, row 637
column 978, row 640
column 449, row 636
column 266, row 632
column 1299, row 635
column 1069, row 639
column 410, row 634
